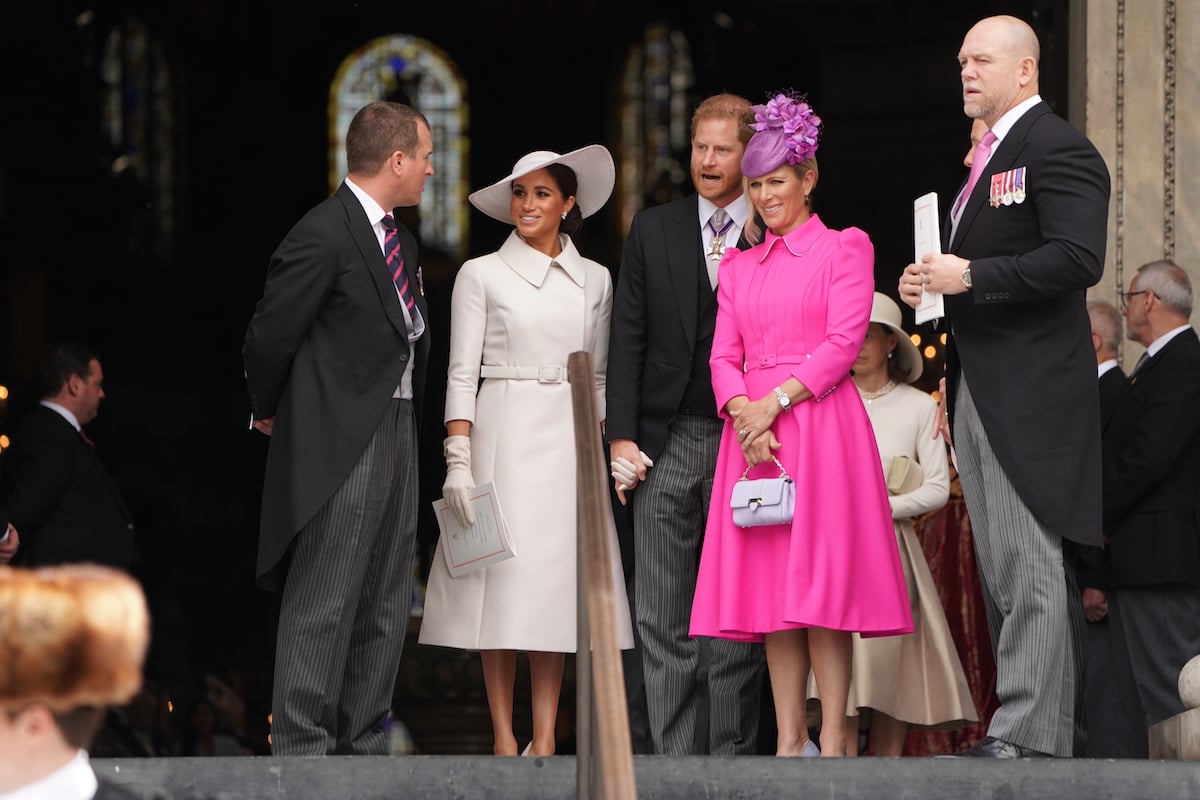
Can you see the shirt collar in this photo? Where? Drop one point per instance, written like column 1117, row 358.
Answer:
column 375, row 212
column 533, row 265
column 72, row 781
column 738, row 210
column 1105, row 366
column 62, row 412
column 1161, row 342
column 1010, row 117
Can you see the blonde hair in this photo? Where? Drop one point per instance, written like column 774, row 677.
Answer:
column 70, row 636
column 753, row 231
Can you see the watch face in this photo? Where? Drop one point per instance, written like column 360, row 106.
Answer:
column 966, row 277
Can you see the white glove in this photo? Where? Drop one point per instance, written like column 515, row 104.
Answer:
column 625, row 473
column 459, row 483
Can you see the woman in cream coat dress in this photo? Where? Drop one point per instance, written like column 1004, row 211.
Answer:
column 516, row 315
column 914, row 680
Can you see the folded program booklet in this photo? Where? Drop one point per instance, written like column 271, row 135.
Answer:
column 471, row 547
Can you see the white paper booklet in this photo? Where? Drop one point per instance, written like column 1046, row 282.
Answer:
column 467, row 549
column 927, row 238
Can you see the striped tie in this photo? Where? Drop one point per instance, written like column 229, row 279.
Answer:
column 395, row 262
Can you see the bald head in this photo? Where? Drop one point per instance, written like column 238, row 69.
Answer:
column 999, row 67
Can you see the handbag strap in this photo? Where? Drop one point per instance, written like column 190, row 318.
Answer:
column 782, row 472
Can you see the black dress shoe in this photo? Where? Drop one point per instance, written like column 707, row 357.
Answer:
column 991, row 747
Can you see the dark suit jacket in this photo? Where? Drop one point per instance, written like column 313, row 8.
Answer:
column 654, row 323
column 1090, row 560
column 1152, row 471
column 61, row 499
column 1022, row 335
column 324, row 353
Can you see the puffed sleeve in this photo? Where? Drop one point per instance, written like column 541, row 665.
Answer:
column 851, row 292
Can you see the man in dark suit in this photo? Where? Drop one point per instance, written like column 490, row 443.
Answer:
column 60, row 497
column 1109, row 696
column 1151, row 503
column 664, row 433
column 335, row 359
column 1020, row 251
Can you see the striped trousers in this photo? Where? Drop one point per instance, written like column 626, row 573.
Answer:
column 346, row 603
column 670, row 512
column 1034, row 614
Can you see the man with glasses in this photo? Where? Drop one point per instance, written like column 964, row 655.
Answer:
column 1151, row 506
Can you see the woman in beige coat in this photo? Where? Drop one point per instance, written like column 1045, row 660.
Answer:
column 516, row 315
column 915, row 680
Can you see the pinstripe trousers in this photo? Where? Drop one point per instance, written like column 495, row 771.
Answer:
column 1030, row 608
column 670, row 511
column 346, row 603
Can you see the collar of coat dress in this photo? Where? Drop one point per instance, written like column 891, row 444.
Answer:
column 533, row 265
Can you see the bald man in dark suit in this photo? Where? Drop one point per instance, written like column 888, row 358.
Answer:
column 1021, row 246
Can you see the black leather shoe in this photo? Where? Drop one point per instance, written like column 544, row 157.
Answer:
column 991, row 747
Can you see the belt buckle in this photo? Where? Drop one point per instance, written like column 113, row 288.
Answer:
column 550, row 373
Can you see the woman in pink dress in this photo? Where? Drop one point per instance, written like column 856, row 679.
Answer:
column 791, row 319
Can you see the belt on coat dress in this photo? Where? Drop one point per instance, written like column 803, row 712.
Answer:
column 770, row 360
column 546, row 373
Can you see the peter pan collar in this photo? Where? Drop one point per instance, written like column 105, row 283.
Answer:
column 798, row 241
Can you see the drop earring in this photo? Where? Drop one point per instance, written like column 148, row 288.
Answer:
column 564, row 215
column 891, row 353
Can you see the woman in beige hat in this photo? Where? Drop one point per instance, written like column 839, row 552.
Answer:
column 913, row 680
column 516, row 314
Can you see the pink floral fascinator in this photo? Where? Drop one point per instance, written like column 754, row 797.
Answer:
column 787, row 131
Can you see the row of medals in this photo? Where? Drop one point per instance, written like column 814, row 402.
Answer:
column 1008, row 187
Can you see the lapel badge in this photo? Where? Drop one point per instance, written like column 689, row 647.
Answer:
column 1019, row 185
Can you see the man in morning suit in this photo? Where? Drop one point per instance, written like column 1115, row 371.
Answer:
column 664, row 432
column 335, row 359
column 1019, row 253
column 60, row 496
column 1151, row 502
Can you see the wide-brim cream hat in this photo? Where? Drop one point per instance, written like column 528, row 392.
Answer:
column 908, row 359
column 593, row 167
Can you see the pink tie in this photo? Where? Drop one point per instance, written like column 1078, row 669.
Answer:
column 978, row 161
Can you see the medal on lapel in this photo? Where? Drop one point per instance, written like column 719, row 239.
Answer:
column 1019, row 185
column 1007, row 198
column 996, row 192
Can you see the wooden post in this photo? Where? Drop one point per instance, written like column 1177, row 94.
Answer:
column 611, row 772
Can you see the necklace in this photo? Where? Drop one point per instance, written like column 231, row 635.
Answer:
column 869, row 396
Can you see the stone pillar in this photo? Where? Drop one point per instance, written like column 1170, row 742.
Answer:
column 1135, row 90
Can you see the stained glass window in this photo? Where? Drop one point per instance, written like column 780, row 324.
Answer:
column 655, row 121
column 410, row 70
column 137, row 121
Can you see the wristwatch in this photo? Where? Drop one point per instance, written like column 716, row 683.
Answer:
column 966, row 277
column 785, row 402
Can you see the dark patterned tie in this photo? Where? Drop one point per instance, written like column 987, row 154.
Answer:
column 86, row 440
column 1141, row 362
column 395, row 262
